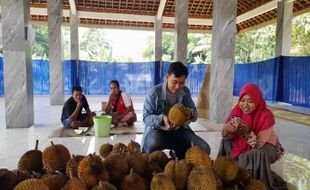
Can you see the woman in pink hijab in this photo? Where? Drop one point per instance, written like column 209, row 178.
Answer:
column 250, row 139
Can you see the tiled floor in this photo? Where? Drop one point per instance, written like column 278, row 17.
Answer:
column 294, row 167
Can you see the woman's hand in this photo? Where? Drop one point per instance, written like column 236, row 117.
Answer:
column 243, row 129
column 229, row 128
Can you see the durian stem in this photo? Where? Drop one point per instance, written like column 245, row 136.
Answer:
column 52, row 143
column 37, row 144
column 131, row 173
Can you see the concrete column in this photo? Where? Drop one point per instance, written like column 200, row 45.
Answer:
column 17, row 64
column 158, row 40
column 180, row 34
column 222, row 59
column 74, row 36
column 284, row 28
column 55, row 50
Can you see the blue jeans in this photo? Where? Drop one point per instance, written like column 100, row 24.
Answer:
column 178, row 140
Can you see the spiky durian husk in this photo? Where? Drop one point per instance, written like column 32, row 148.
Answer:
column 198, row 157
column 178, row 170
column 72, row 165
column 136, row 161
column 201, row 178
column 225, row 169
column 159, row 157
column 117, row 167
column 31, row 161
column 178, row 114
column 133, row 181
column 91, row 171
column 54, row 181
column 133, row 146
column 121, row 147
column 255, row 184
column 7, row 179
column 55, row 158
column 104, row 185
column 31, row 184
column 105, row 149
column 162, row 181
column 74, row 184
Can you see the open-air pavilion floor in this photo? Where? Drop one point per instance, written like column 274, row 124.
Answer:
column 294, row 167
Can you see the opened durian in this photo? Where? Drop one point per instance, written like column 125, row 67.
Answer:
column 31, row 184
column 105, row 149
column 133, row 181
column 178, row 114
column 55, row 158
column 162, row 181
column 31, row 161
column 91, row 170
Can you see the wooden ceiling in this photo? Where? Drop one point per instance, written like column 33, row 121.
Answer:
column 140, row 14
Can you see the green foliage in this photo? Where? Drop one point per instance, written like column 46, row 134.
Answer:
column 301, row 35
column 95, row 46
column 40, row 45
column 198, row 48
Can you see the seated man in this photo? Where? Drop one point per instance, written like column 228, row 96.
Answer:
column 159, row 133
column 72, row 116
column 120, row 106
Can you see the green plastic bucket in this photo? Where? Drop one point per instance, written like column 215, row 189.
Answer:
column 102, row 125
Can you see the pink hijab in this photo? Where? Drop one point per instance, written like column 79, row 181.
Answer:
column 259, row 120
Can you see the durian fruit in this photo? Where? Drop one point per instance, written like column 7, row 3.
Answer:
column 133, row 181
column 54, row 181
column 31, row 184
column 31, row 161
column 91, row 170
column 133, row 146
column 120, row 147
column 105, row 149
column 255, row 184
column 201, row 178
column 243, row 177
column 225, row 169
column 178, row 114
column 198, row 157
column 117, row 167
column 159, row 157
column 178, row 170
column 7, row 179
column 136, row 161
column 104, row 185
column 151, row 168
column 55, row 158
column 72, row 165
column 21, row 175
column 162, row 181
column 74, row 184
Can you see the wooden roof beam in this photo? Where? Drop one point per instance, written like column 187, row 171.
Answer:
column 72, row 6
column 161, row 8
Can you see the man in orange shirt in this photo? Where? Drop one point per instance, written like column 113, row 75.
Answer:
column 120, row 106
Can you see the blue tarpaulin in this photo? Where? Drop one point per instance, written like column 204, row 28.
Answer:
column 284, row 79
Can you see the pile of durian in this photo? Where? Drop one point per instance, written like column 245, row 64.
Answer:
column 125, row 168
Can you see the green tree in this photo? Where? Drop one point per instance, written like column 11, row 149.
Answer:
column 95, row 46
column 40, row 45
column 301, row 35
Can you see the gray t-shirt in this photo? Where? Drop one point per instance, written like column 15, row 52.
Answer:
column 172, row 98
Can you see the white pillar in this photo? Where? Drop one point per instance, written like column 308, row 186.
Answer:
column 74, row 36
column 222, row 59
column 284, row 28
column 180, row 34
column 18, row 88
column 158, row 40
column 55, row 50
